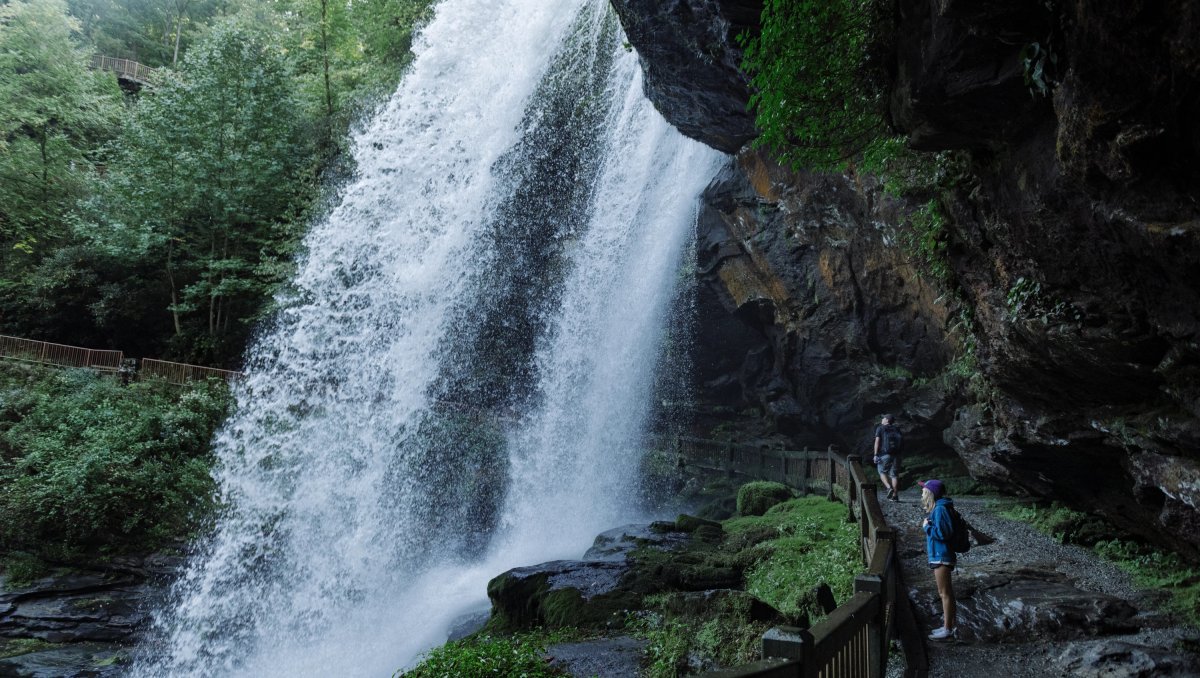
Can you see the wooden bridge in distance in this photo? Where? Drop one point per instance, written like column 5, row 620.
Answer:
column 126, row 69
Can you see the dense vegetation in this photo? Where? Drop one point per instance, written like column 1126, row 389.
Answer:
column 818, row 82
column 160, row 221
column 90, row 465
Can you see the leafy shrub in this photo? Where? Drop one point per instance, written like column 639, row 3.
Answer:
column 87, row 462
column 755, row 498
column 487, row 656
column 818, row 97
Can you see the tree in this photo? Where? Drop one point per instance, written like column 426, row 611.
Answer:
column 210, row 177
column 153, row 32
column 54, row 112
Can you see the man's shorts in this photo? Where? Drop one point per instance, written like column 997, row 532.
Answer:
column 888, row 465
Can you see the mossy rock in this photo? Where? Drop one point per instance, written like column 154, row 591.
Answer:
column 729, row 603
column 526, row 598
column 754, row 499
column 719, row 509
column 686, row 523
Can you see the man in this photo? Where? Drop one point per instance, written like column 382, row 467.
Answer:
column 887, row 455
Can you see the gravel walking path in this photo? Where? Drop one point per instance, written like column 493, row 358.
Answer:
column 1088, row 631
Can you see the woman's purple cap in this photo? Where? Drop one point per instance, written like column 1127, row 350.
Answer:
column 935, row 487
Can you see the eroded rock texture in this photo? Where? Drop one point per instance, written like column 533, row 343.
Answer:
column 1073, row 240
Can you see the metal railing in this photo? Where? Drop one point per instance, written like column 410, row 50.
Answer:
column 61, row 355
column 181, row 373
column 126, row 68
column 854, row 639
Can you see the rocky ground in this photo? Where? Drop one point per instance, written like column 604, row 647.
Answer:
column 1029, row 606
column 78, row 622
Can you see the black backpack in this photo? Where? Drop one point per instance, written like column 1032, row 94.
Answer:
column 892, row 440
column 960, row 531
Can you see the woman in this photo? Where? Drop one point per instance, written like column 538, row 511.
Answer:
column 938, row 528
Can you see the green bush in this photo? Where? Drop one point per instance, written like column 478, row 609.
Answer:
column 818, row 95
column 86, row 462
column 755, row 498
column 487, row 656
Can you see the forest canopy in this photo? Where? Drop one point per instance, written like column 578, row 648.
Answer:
column 161, row 219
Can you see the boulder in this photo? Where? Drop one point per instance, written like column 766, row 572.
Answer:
column 562, row 593
column 1112, row 658
column 1014, row 605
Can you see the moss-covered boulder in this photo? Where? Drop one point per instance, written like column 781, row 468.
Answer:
column 687, row 523
column 754, row 499
column 561, row 594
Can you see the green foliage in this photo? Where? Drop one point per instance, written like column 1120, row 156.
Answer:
column 86, row 462
column 814, row 545
column 926, row 240
column 678, row 645
column 53, row 113
column 1027, row 301
column 22, row 569
column 168, row 235
column 487, row 656
column 208, row 181
column 753, row 499
column 817, row 98
column 1156, row 569
column 909, row 173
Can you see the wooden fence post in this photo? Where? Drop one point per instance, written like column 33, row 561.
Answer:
column 832, row 473
column 853, row 494
column 873, row 584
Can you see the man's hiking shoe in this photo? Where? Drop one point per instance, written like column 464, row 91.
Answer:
column 895, row 496
column 891, row 495
column 942, row 633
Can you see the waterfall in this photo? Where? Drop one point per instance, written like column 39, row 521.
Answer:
column 459, row 379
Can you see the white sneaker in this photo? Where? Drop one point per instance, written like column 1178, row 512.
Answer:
column 941, row 633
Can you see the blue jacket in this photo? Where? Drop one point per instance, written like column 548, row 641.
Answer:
column 937, row 534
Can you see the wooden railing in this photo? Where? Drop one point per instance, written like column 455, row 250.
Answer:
column 854, row 639
column 61, row 355
column 180, row 373
column 126, row 68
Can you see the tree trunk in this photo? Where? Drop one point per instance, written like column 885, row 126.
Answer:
column 328, row 88
column 174, row 294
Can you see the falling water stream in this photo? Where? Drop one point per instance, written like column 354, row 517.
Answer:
column 459, row 380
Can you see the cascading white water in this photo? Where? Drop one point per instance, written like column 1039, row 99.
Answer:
column 510, row 242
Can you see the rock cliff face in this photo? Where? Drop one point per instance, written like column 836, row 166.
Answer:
column 1072, row 242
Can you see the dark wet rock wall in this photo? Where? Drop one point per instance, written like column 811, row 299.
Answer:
column 1072, row 241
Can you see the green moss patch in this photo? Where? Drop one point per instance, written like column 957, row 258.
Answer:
column 813, row 544
column 15, row 647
